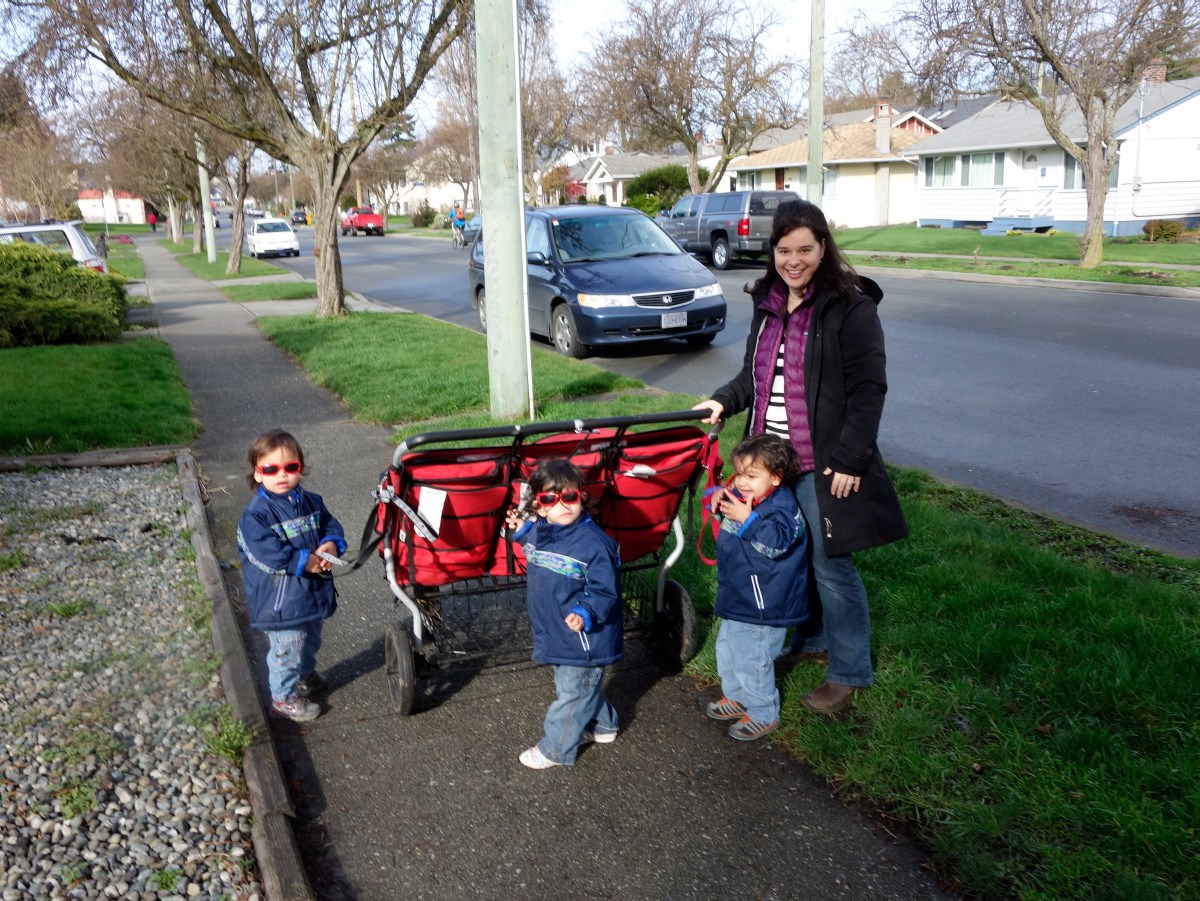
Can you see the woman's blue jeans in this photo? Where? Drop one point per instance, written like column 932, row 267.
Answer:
column 844, row 628
column 579, row 706
column 746, row 662
column 292, row 656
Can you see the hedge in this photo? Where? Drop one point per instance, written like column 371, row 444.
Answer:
column 55, row 276
column 27, row 320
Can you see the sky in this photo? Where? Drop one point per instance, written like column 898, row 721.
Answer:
column 791, row 38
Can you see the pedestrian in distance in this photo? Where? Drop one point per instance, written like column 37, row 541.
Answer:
column 575, row 614
column 762, row 581
column 283, row 532
column 814, row 373
column 152, row 218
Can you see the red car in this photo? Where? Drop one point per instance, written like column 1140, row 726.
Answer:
column 362, row 219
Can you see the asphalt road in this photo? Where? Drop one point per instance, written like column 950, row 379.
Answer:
column 1083, row 404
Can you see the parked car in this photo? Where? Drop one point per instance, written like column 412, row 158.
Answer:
column 299, row 217
column 254, row 212
column 725, row 227
column 473, row 227
column 271, row 237
column 608, row 276
column 65, row 237
column 362, row 219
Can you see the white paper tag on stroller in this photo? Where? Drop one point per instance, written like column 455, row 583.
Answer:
column 430, row 506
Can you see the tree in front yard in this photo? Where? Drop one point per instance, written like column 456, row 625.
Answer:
column 1063, row 57
column 311, row 84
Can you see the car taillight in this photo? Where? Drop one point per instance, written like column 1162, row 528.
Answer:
column 96, row 264
column 743, row 228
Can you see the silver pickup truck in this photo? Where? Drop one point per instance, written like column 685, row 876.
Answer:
column 727, row 226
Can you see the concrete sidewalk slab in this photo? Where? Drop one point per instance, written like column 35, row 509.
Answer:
column 435, row 805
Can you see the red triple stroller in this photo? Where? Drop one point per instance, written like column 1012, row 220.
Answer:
column 440, row 510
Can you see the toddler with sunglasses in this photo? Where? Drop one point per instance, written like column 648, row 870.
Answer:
column 574, row 609
column 762, row 581
column 288, row 592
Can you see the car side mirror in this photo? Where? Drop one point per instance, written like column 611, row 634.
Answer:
column 537, row 258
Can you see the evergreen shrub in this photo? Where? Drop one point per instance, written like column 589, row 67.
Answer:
column 28, row 320
column 1167, row 230
column 424, row 215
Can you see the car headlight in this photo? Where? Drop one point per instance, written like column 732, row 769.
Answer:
column 606, row 300
column 708, row 290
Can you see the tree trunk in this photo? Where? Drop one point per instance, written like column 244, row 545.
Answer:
column 237, row 224
column 1091, row 251
column 329, row 174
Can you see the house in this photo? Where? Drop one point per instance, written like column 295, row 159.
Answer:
column 112, row 207
column 1000, row 168
column 606, row 176
column 868, row 174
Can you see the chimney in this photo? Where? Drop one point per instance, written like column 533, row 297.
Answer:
column 883, row 126
column 1155, row 71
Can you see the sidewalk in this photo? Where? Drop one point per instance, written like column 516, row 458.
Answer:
column 435, row 805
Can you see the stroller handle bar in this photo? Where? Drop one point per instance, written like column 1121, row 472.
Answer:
column 541, row 428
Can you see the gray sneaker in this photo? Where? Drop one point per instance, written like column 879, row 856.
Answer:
column 296, row 709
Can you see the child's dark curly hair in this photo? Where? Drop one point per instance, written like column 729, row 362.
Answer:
column 550, row 475
column 772, row 453
column 269, row 442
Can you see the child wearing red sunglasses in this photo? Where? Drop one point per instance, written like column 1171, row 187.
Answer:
column 574, row 609
column 288, row 592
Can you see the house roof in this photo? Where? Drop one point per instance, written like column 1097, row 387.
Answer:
column 1016, row 123
column 852, row 143
column 629, row 165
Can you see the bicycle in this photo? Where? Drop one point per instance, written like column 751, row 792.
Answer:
column 456, row 237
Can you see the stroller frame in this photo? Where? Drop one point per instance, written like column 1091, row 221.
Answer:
column 440, row 509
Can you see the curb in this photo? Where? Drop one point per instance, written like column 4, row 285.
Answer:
column 273, row 834
column 1065, row 284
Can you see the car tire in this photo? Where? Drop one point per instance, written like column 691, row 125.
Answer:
column 295, row 253
column 565, row 334
column 720, row 253
column 481, row 309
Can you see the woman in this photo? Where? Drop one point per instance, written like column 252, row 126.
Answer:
column 814, row 372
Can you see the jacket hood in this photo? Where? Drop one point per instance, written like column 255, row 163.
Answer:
column 870, row 288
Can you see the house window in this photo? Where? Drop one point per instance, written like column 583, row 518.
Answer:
column 1073, row 179
column 939, row 171
column 982, row 169
column 829, row 183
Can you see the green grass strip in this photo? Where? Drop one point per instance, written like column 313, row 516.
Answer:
column 199, row 264
column 83, row 397
column 1108, row 273
column 290, row 290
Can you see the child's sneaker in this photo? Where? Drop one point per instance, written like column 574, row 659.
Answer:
column 600, row 738
column 726, row 709
column 296, row 709
column 536, row 760
column 312, row 684
column 747, row 729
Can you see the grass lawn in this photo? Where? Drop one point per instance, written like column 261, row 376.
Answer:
column 199, row 264
column 125, row 260
column 1108, row 273
column 964, row 241
column 290, row 290
column 83, row 397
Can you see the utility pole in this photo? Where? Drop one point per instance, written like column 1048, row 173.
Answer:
column 816, row 105
column 502, row 203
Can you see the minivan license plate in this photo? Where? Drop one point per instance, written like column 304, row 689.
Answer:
column 674, row 320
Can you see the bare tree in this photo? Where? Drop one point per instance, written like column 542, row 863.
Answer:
column 684, row 70
column 281, row 74
column 1069, row 59
column 870, row 59
column 445, row 155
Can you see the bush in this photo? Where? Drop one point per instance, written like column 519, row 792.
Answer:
column 1163, row 230
column 55, row 276
column 647, row 203
column 667, row 183
column 424, row 215
column 27, row 320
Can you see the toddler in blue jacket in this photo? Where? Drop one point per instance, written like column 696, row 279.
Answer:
column 573, row 593
column 289, row 594
column 762, row 581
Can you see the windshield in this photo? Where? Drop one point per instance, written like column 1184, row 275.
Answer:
column 273, row 227
column 610, row 238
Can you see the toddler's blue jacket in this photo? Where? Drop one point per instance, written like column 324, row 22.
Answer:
column 573, row 569
column 276, row 536
column 762, row 565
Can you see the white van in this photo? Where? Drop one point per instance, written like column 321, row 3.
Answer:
column 65, row 237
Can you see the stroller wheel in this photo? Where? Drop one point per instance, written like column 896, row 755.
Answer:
column 673, row 632
column 399, row 665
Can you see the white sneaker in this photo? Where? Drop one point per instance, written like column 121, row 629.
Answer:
column 600, row 738
column 536, row 760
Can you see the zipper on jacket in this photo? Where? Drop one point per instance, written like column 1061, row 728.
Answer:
column 828, row 528
column 757, row 591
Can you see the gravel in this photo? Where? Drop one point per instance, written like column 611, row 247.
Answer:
column 109, row 698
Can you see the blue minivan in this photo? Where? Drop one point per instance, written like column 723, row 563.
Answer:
column 603, row 275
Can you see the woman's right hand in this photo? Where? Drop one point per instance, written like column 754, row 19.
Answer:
column 715, row 409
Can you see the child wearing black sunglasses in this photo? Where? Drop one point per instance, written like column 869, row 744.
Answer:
column 575, row 610
column 289, row 595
